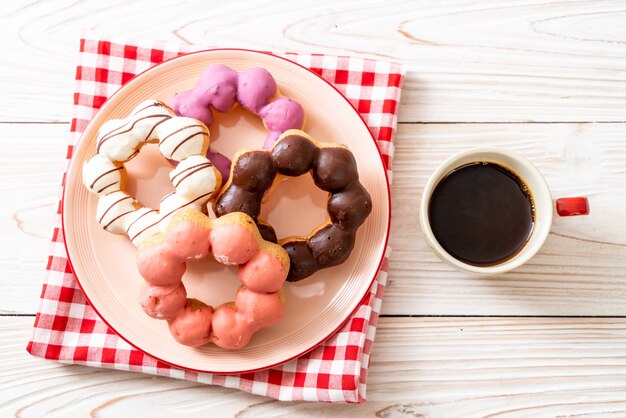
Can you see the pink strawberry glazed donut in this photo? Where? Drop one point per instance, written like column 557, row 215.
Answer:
column 220, row 87
column 233, row 239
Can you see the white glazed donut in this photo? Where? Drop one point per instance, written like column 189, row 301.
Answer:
column 181, row 139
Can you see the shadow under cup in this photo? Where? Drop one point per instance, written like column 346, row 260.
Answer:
column 537, row 189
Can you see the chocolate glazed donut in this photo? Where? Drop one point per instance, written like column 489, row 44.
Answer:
column 334, row 170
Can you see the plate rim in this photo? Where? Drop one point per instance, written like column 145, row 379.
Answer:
column 343, row 321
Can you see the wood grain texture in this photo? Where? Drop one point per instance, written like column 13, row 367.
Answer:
column 435, row 367
column 31, row 165
column 492, row 60
column 579, row 271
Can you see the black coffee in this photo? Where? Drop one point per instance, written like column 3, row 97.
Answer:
column 481, row 213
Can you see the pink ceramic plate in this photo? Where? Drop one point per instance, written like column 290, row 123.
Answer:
column 104, row 264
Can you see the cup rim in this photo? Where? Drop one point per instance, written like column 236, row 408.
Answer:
column 539, row 188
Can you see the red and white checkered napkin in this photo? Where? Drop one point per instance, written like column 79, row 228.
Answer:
column 66, row 327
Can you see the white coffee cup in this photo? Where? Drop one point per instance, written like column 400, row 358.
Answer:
column 544, row 206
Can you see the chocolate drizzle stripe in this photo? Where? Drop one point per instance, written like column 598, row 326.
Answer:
column 182, row 142
column 157, row 104
column 118, row 130
column 166, row 196
column 132, row 155
column 113, row 134
column 116, row 218
column 110, row 207
column 102, row 175
column 154, row 127
column 138, row 218
column 190, row 173
column 168, row 214
column 185, row 140
column 162, row 140
column 190, row 168
column 107, row 186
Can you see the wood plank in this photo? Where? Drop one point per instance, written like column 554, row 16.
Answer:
column 31, row 167
column 435, row 367
column 486, row 60
column 580, row 270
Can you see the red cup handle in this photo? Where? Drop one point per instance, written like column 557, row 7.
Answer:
column 570, row 206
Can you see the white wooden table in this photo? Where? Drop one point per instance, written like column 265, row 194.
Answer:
column 545, row 78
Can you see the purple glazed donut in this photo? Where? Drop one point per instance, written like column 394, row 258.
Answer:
column 220, row 87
